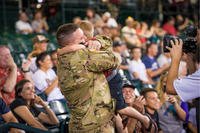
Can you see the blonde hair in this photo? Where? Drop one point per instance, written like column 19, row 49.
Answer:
column 159, row 88
column 87, row 28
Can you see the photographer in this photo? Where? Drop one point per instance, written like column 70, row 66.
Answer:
column 187, row 88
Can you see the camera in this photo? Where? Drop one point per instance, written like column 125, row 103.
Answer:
column 188, row 37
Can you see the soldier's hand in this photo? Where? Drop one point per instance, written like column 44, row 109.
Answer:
column 93, row 44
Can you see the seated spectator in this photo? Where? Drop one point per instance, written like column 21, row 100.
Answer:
column 181, row 22
column 45, row 79
column 169, row 26
column 129, row 34
column 109, row 21
column 173, row 112
column 9, row 75
column 151, row 64
column 118, row 49
column 40, row 44
column 22, row 25
column 165, row 59
column 25, row 110
column 152, row 104
column 158, row 31
column 39, row 23
column 134, row 125
column 7, row 115
column 137, row 68
column 92, row 16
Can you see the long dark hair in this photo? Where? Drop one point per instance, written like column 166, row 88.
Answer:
column 19, row 87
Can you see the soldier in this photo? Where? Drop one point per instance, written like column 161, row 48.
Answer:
column 83, row 83
column 114, row 79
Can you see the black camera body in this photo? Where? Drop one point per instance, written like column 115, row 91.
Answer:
column 188, row 37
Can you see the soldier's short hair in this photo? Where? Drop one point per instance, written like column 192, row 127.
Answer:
column 64, row 33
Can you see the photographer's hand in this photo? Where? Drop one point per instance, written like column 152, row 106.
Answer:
column 176, row 54
column 176, row 50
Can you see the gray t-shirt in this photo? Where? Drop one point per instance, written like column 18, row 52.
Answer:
column 168, row 119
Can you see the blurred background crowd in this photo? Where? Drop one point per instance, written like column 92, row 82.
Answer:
column 136, row 28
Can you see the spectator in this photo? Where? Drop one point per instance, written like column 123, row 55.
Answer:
column 118, row 48
column 39, row 23
column 158, row 31
column 165, row 59
column 137, row 68
column 182, row 23
column 169, row 26
column 153, row 69
column 92, row 16
column 134, row 125
column 7, row 115
column 22, row 25
column 45, row 79
column 152, row 104
column 173, row 112
column 9, row 75
column 25, row 110
column 109, row 21
column 129, row 34
column 40, row 44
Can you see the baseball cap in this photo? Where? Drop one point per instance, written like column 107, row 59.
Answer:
column 118, row 43
column 127, row 83
column 39, row 39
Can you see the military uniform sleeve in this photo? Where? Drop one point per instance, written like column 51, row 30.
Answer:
column 106, row 43
column 100, row 61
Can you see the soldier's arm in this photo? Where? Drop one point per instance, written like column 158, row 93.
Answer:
column 99, row 61
column 106, row 43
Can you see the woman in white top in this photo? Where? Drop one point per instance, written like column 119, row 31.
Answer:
column 45, row 78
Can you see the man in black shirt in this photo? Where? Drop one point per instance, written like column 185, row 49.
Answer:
column 152, row 104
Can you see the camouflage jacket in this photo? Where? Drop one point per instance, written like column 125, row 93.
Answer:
column 85, row 87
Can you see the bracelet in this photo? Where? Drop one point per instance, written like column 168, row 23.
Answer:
column 25, row 71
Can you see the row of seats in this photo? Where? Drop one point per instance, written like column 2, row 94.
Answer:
column 21, row 45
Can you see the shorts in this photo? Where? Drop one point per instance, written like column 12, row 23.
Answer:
column 115, row 85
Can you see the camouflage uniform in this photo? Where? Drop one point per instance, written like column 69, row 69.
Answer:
column 85, row 87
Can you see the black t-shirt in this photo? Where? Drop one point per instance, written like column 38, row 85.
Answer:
column 3, row 110
column 21, row 102
column 3, row 107
column 155, row 117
